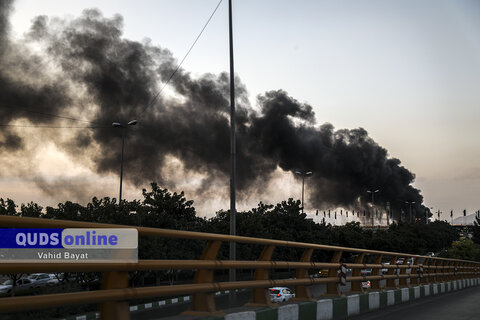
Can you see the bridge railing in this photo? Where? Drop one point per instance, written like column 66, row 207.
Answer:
column 402, row 270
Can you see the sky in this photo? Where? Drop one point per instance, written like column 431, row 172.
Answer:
column 408, row 72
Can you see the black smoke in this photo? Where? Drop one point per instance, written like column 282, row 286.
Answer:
column 88, row 70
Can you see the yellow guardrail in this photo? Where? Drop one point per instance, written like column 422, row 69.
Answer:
column 115, row 291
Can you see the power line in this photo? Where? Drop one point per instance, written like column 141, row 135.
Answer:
column 146, row 107
column 53, row 115
column 181, row 62
column 52, row 127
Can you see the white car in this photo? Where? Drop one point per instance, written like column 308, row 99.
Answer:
column 280, row 294
column 54, row 280
column 39, row 279
column 21, row 285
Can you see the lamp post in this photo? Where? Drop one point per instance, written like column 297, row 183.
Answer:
column 303, row 175
column 373, row 200
column 410, row 202
column 119, row 125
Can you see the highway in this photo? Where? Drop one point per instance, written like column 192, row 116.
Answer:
column 458, row 305
column 221, row 301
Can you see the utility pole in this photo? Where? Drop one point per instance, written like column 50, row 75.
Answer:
column 233, row 248
column 124, row 128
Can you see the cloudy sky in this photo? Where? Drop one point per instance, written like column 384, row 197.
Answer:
column 408, row 72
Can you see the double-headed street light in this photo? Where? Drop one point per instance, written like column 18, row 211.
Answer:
column 373, row 200
column 119, row 125
column 303, row 175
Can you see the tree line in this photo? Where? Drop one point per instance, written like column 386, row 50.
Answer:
column 160, row 208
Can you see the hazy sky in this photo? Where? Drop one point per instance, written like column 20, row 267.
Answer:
column 406, row 71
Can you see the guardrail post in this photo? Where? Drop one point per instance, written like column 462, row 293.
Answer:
column 456, row 271
column 356, row 285
column 424, row 276
column 332, row 288
column 450, row 270
column 261, row 296
column 444, row 271
column 375, row 284
column 402, row 282
column 302, row 292
column 444, row 277
column 204, row 303
column 465, row 270
column 391, row 272
column 435, row 269
column 115, row 310
column 414, row 276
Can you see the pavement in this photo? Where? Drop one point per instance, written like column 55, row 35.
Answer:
column 457, row 305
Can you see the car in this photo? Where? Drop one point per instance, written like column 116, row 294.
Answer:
column 366, row 285
column 22, row 284
column 280, row 294
column 401, row 260
column 39, row 279
column 60, row 278
column 385, row 270
column 366, row 272
column 323, row 273
column 55, row 279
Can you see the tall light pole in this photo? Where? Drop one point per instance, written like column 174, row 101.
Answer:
column 303, row 175
column 232, row 275
column 373, row 201
column 119, row 125
column 410, row 202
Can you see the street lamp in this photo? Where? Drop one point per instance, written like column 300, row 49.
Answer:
column 119, row 125
column 410, row 202
column 373, row 200
column 303, row 175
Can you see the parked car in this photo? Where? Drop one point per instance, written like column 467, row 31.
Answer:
column 385, row 270
column 409, row 261
column 55, row 279
column 39, row 279
column 280, row 294
column 366, row 285
column 323, row 273
column 366, row 272
column 21, row 285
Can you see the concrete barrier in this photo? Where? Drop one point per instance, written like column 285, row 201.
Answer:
column 343, row 307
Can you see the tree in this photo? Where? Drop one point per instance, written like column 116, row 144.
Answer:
column 31, row 210
column 476, row 230
column 464, row 249
column 8, row 207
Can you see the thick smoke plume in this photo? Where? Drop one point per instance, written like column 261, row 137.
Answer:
column 87, row 70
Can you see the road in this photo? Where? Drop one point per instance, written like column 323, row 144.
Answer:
column 221, row 302
column 458, row 305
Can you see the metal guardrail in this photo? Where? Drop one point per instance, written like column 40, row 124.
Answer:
column 115, row 292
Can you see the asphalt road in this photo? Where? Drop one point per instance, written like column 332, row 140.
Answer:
column 458, row 305
column 221, row 302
